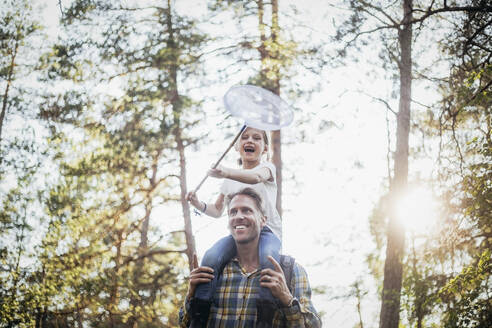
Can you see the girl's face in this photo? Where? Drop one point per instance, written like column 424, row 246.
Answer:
column 251, row 145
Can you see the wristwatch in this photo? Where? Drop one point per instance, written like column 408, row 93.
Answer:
column 294, row 301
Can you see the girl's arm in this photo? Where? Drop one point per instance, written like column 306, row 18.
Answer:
column 213, row 209
column 263, row 174
column 216, row 209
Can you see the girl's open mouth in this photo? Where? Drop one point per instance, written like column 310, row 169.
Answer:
column 249, row 149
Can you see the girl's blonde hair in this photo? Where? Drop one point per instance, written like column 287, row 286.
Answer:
column 265, row 139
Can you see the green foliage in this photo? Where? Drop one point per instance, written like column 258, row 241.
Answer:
column 21, row 156
column 59, row 64
column 460, row 124
column 103, row 261
column 119, row 78
column 478, row 188
column 19, row 31
column 14, row 296
column 468, row 293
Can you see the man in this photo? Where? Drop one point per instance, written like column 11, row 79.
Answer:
column 238, row 285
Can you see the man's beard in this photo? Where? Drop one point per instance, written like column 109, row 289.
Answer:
column 249, row 239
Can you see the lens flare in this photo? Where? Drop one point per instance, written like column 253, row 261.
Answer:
column 418, row 209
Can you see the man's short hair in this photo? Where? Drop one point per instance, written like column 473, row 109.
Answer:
column 248, row 192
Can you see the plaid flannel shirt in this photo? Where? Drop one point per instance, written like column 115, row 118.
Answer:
column 234, row 304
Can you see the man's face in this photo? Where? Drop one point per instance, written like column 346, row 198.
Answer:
column 245, row 220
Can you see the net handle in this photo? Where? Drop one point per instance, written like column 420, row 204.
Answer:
column 221, row 157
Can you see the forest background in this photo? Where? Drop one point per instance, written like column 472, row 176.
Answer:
column 111, row 111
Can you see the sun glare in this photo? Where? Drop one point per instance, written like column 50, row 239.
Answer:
column 418, row 209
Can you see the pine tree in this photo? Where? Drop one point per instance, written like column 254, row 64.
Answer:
column 118, row 156
column 21, row 157
column 384, row 19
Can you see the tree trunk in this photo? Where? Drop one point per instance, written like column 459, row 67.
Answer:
column 393, row 268
column 3, row 113
column 419, row 294
column 190, row 239
column 141, row 250
column 263, row 41
column 358, row 296
column 176, row 104
column 277, row 160
column 276, row 135
column 115, row 290
column 267, row 71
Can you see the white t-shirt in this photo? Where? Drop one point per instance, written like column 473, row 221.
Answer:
column 268, row 192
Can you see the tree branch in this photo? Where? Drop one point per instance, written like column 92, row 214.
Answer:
column 347, row 44
column 61, row 9
column 380, row 10
column 429, row 12
column 388, row 150
column 380, row 100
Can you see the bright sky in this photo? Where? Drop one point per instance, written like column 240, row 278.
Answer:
column 339, row 173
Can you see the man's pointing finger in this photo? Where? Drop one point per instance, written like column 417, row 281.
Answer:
column 277, row 266
column 195, row 261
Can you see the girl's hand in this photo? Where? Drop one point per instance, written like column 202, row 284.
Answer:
column 220, row 172
column 193, row 199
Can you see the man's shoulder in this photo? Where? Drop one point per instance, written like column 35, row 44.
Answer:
column 287, row 263
column 294, row 272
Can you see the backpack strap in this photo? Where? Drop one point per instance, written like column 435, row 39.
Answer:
column 287, row 264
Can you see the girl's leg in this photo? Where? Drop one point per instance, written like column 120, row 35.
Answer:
column 269, row 246
column 216, row 258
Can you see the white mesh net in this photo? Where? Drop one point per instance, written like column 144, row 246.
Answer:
column 258, row 107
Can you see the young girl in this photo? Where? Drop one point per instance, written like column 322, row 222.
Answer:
column 256, row 174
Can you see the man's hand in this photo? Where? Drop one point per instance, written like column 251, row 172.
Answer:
column 198, row 275
column 275, row 280
column 219, row 172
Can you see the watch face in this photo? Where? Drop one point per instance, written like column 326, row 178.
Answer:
column 294, row 302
